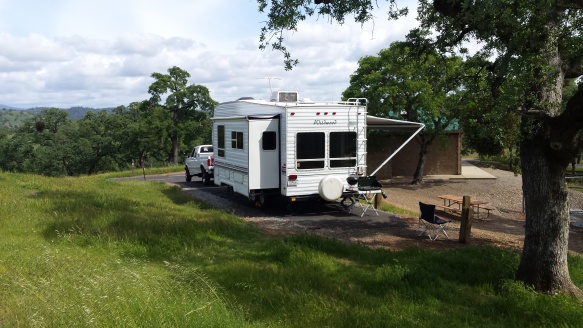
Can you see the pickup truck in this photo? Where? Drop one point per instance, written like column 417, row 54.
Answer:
column 200, row 163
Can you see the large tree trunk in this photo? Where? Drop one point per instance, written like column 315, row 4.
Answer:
column 174, row 158
column 545, row 154
column 174, row 136
column 543, row 264
column 418, row 176
column 547, row 147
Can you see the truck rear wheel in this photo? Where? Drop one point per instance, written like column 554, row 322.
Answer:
column 206, row 179
column 187, row 175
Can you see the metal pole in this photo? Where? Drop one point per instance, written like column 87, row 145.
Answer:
column 398, row 149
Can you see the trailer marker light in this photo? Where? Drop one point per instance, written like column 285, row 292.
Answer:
column 292, row 180
column 325, row 113
column 292, row 113
column 293, row 199
column 333, row 113
column 317, row 113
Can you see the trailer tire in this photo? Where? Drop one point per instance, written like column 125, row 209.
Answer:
column 259, row 200
column 330, row 188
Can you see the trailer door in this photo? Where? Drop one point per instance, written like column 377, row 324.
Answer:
column 264, row 153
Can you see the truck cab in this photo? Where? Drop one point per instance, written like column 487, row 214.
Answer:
column 200, row 162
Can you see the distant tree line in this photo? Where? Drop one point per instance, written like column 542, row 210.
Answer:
column 150, row 132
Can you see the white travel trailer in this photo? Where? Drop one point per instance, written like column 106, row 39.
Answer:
column 293, row 148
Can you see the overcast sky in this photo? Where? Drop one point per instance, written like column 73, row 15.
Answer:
column 65, row 53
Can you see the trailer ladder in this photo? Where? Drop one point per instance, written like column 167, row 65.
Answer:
column 361, row 140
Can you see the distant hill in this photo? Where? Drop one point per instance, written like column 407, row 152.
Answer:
column 75, row 113
column 12, row 117
column 9, row 107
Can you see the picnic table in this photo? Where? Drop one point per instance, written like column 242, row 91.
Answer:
column 449, row 201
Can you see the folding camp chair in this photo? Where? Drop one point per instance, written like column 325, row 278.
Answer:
column 368, row 188
column 429, row 222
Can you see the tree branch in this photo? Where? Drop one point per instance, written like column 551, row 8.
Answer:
column 565, row 129
column 570, row 4
column 534, row 113
column 573, row 71
column 572, row 117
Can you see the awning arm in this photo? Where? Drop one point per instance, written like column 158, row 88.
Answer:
column 398, row 149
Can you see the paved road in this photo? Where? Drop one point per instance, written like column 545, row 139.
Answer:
column 240, row 205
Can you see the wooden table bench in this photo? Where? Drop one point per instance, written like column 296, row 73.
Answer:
column 450, row 201
column 446, row 209
column 487, row 208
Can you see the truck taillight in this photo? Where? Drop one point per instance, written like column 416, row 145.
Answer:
column 211, row 160
column 292, row 177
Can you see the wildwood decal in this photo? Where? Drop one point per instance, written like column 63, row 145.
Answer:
column 324, row 122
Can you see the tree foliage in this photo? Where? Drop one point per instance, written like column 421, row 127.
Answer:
column 403, row 82
column 184, row 102
column 286, row 15
column 490, row 127
column 52, row 144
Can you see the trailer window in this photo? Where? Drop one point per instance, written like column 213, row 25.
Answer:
column 269, row 140
column 221, row 140
column 310, row 150
column 342, row 149
column 236, row 139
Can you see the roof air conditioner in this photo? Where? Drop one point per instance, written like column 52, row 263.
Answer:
column 284, row 96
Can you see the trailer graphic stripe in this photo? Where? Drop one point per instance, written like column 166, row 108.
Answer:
column 231, row 166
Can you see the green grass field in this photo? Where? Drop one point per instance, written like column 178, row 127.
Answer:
column 89, row 252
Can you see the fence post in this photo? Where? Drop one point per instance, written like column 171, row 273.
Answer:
column 466, row 223
column 378, row 200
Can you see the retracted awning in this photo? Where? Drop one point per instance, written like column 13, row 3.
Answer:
column 380, row 123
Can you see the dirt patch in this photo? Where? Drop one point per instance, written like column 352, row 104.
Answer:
column 504, row 227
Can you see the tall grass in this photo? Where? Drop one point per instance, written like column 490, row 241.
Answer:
column 88, row 252
column 147, row 171
column 390, row 208
column 91, row 252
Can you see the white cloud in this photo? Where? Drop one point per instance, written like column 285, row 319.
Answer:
column 101, row 54
column 32, row 48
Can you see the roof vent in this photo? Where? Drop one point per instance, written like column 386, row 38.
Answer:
column 284, row 96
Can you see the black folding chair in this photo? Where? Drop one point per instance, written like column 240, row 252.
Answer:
column 429, row 222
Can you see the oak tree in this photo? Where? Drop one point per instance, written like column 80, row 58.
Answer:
column 534, row 46
column 402, row 83
column 183, row 101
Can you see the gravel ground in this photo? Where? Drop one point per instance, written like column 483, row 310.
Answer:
column 503, row 193
column 504, row 227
